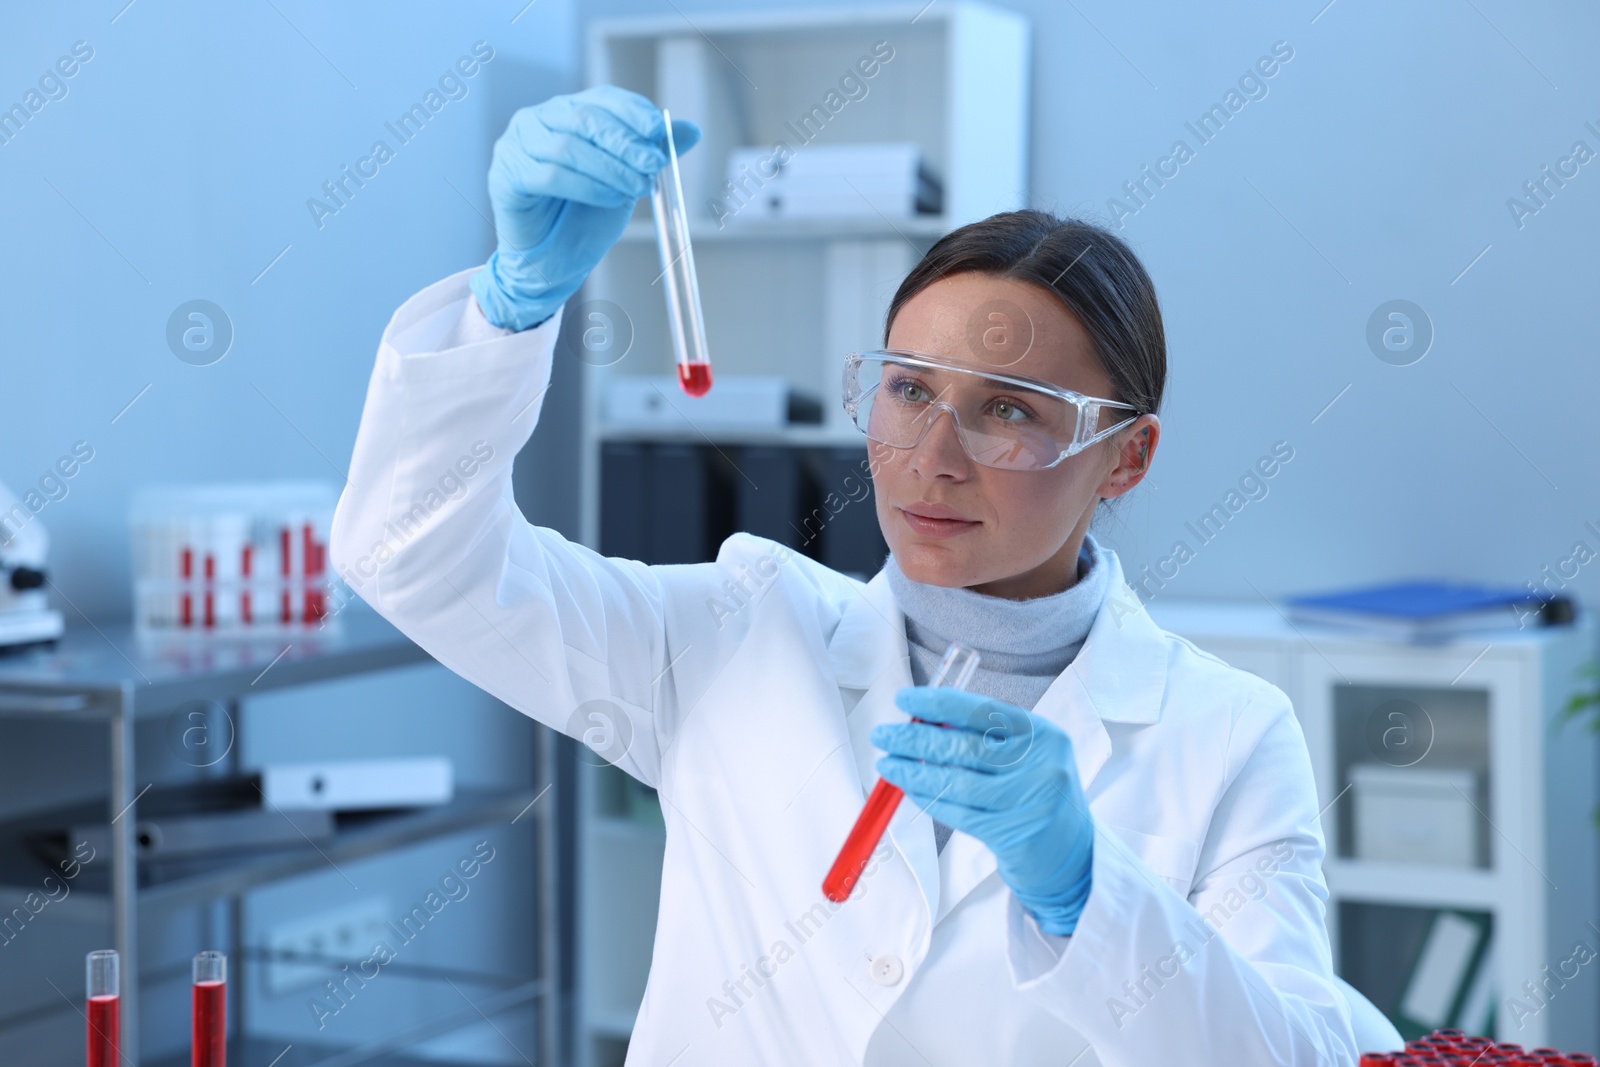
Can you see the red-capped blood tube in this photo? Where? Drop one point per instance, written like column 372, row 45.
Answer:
column 103, row 993
column 955, row 670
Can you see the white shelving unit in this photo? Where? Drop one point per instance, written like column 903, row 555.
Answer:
column 1491, row 704
column 791, row 297
column 781, row 297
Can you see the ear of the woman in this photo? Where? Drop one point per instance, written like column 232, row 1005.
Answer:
column 1135, row 449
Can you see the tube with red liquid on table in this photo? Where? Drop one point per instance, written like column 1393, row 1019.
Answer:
column 678, row 274
column 955, row 670
column 209, row 1043
column 103, row 995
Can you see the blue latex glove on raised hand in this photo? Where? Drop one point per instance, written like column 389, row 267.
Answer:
column 1006, row 777
column 563, row 183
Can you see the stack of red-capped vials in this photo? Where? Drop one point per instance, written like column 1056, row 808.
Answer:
column 1453, row 1048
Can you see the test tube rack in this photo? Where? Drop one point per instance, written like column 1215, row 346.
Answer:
column 241, row 560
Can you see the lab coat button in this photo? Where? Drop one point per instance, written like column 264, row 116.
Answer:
column 886, row 969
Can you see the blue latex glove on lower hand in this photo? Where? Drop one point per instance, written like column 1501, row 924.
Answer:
column 563, row 183
column 1006, row 777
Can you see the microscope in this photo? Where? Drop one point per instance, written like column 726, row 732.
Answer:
column 25, row 616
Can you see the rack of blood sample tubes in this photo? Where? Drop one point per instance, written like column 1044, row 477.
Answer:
column 1453, row 1048
column 235, row 560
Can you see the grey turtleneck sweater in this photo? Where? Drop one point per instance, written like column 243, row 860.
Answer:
column 1023, row 645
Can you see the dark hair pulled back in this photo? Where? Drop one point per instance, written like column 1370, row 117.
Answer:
column 1088, row 268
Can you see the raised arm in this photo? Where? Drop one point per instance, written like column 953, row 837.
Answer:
column 427, row 530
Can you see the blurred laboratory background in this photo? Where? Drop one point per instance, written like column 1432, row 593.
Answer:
column 1372, row 231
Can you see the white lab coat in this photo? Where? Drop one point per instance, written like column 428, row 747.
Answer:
column 744, row 689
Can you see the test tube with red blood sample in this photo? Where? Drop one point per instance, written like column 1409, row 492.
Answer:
column 678, row 277
column 955, row 670
column 314, row 557
column 285, row 573
column 103, row 996
column 1454, row 1048
column 209, row 1040
column 186, row 562
column 209, row 591
column 246, row 553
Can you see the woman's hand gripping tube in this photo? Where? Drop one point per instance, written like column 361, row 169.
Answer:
column 955, row 671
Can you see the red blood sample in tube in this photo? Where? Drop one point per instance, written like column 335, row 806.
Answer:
column 864, row 837
column 308, row 564
column 316, row 564
column 244, row 593
column 102, row 991
column 954, row 670
column 695, row 378
column 283, row 569
column 210, row 615
column 209, row 1041
column 186, row 599
column 104, row 1031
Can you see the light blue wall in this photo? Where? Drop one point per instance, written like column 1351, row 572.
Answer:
column 178, row 166
column 1391, row 142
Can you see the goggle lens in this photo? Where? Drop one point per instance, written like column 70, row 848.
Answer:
column 1001, row 424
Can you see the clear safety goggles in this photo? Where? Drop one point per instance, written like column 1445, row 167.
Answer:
column 894, row 395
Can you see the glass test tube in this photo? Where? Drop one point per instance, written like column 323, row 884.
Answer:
column 955, row 670
column 208, row 1044
column 678, row 274
column 103, row 993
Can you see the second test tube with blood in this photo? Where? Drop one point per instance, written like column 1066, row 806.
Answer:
column 209, row 1039
column 955, row 670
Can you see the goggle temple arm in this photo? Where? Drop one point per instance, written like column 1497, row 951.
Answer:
column 1089, row 415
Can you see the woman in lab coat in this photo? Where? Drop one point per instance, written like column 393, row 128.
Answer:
column 1110, row 852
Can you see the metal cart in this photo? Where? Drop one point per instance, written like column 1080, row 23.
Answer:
column 104, row 675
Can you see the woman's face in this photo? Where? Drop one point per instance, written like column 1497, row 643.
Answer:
column 1014, row 533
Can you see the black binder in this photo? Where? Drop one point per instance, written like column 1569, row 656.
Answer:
column 624, row 475
column 676, row 503
column 851, row 539
column 772, row 494
column 677, row 506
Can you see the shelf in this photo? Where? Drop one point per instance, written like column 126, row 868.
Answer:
column 782, row 20
column 1414, row 884
column 357, row 836
column 280, row 1052
column 260, row 1051
column 163, row 675
column 1255, row 620
column 795, row 436
column 867, row 227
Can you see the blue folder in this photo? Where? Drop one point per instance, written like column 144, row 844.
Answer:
column 1415, row 601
